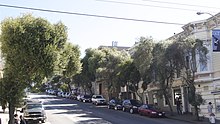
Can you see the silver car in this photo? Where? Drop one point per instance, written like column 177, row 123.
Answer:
column 34, row 112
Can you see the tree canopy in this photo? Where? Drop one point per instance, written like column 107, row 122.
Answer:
column 29, row 46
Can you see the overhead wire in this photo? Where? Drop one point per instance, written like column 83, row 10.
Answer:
column 157, row 6
column 182, row 4
column 83, row 14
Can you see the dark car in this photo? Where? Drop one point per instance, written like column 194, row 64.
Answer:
column 150, row 110
column 115, row 104
column 86, row 98
column 73, row 96
column 131, row 105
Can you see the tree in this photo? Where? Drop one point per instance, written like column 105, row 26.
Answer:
column 129, row 76
column 89, row 65
column 163, row 69
column 142, row 56
column 29, row 48
column 188, row 55
column 68, row 63
column 109, row 67
column 103, row 65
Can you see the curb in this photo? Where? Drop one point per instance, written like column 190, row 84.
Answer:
column 189, row 121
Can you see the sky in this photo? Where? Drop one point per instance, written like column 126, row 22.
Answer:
column 91, row 32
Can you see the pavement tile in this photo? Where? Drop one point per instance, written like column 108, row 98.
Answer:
column 189, row 118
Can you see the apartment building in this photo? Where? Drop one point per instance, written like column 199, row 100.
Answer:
column 207, row 81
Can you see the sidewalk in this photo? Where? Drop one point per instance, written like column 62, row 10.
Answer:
column 189, row 118
column 4, row 116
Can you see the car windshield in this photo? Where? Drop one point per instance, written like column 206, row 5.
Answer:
column 87, row 96
column 33, row 106
column 118, row 101
column 152, row 107
column 135, row 102
column 98, row 96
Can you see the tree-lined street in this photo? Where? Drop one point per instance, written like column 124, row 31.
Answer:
column 60, row 110
column 38, row 57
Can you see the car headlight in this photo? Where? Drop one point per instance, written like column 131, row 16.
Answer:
column 135, row 107
column 163, row 112
column 153, row 112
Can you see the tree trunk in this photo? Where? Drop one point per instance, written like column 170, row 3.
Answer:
column 90, row 90
column 168, row 101
column 11, row 113
column 196, row 112
column 69, row 86
column 139, row 95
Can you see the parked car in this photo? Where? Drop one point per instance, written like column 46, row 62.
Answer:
column 150, row 110
column 115, row 104
column 79, row 97
column 98, row 99
column 55, row 92
column 63, row 94
column 73, row 96
column 60, row 94
column 131, row 105
column 86, row 98
column 67, row 95
column 33, row 111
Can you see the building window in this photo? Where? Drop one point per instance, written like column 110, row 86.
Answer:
column 202, row 63
column 176, row 95
column 154, row 98
column 165, row 101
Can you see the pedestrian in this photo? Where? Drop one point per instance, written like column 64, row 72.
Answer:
column 212, row 118
column 178, row 106
column 210, row 107
column 22, row 121
column 16, row 119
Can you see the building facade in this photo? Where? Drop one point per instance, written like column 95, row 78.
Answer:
column 207, row 80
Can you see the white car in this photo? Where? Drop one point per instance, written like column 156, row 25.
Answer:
column 98, row 99
column 60, row 94
column 67, row 95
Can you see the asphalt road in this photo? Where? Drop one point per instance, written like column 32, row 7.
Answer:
column 66, row 111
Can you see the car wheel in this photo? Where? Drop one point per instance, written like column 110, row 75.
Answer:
column 96, row 103
column 116, row 108
column 131, row 111
column 140, row 113
column 123, row 109
column 43, row 121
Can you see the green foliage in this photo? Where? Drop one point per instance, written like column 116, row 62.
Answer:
column 142, row 56
column 55, row 79
column 128, row 73
column 68, row 60
column 103, row 64
column 29, row 47
column 64, row 87
column 190, row 53
column 197, row 101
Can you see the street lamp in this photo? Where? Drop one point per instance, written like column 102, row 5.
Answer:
column 200, row 13
column 215, row 18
